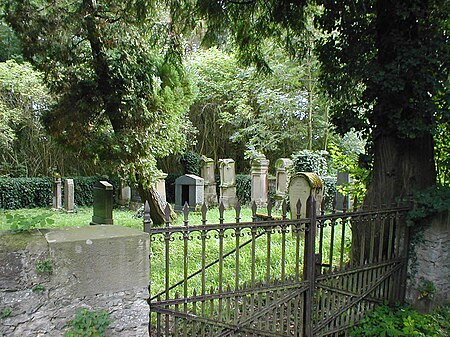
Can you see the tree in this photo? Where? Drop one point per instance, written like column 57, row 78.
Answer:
column 383, row 64
column 116, row 71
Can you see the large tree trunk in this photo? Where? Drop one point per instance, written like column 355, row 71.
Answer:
column 157, row 205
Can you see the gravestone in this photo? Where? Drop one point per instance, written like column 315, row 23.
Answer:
column 189, row 188
column 57, row 195
column 282, row 167
column 227, row 183
column 301, row 186
column 260, row 182
column 124, row 195
column 160, row 187
column 69, row 196
column 343, row 178
column 207, row 173
column 103, row 203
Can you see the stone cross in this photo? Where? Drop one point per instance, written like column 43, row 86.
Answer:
column 227, row 183
column 103, row 203
column 69, row 196
column 260, row 183
column 207, row 173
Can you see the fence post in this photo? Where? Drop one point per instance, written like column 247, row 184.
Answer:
column 309, row 266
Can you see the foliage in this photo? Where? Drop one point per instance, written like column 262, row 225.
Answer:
column 442, row 150
column 44, row 267
column 431, row 201
column 89, row 324
column 9, row 43
column 310, row 161
column 5, row 313
column 38, row 289
column 20, row 222
column 244, row 188
column 330, row 191
column 403, row 321
column 116, row 71
column 346, row 160
column 192, row 162
column 18, row 193
column 239, row 110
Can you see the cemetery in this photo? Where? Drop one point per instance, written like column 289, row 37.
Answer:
column 224, row 168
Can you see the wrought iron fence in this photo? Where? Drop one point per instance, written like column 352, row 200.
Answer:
column 272, row 276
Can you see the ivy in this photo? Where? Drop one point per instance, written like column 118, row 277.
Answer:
column 434, row 200
column 89, row 323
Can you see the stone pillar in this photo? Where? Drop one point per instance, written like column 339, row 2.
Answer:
column 282, row 167
column 260, row 182
column 124, row 195
column 160, row 187
column 207, row 173
column 69, row 196
column 227, row 183
column 57, row 195
column 103, row 203
column 343, row 178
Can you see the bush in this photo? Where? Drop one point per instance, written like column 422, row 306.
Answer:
column 310, row 161
column 16, row 193
column 244, row 188
column 403, row 321
column 330, row 191
column 192, row 163
column 170, row 186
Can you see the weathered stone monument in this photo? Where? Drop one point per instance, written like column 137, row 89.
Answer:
column 343, row 178
column 207, row 173
column 103, row 203
column 227, row 183
column 57, row 195
column 260, row 182
column 69, row 196
column 189, row 188
column 301, row 186
column 282, row 167
column 160, row 187
column 124, row 195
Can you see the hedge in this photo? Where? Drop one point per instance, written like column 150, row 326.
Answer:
column 18, row 193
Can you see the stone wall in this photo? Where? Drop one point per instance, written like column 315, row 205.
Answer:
column 429, row 265
column 46, row 275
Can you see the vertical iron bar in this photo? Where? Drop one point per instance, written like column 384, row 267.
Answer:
column 333, row 223
column 309, row 265
column 283, row 252
column 238, row 237
column 268, row 257
column 341, row 258
column 167, row 265
column 221, row 236
column 185, row 263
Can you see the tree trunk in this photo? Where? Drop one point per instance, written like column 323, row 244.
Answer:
column 157, row 206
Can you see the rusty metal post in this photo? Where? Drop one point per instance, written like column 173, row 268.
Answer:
column 309, row 266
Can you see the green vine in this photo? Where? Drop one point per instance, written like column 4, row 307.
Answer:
column 431, row 201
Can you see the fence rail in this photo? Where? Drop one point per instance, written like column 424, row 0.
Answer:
column 273, row 276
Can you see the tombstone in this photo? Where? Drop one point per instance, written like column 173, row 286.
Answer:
column 160, row 187
column 282, row 167
column 69, row 196
column 124, row 195
column 343, row 178
column 301, row 186
column 103, row 203
column 189, row 188
column 57, row 195
column 207, row 173
column 260, row 182
column 227, row 183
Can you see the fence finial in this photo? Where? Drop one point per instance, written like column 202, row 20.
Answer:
column 147, row 218
column 299, row 208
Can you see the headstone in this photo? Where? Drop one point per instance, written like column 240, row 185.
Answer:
column 103, row 203
column 343, row 178
column 57, row 195
column 189, row 188
column 207, row 173
column 260, row 182
column 160, row 187
column 282, row 167
column 301, row 186
column 227, row 183
column 124, row 195
column 69, row 196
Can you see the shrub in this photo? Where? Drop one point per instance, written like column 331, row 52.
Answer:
column 310, row 161
column 243, row 188
column 89, row 323
column 16, row 193
column 330, row 191
column 403, row 321
column 192, row 163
